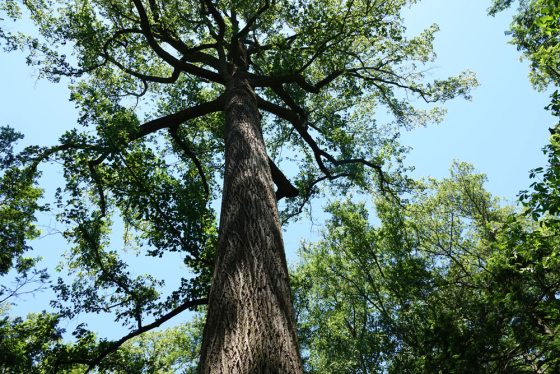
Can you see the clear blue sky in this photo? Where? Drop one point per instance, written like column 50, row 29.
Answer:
column 501, row 131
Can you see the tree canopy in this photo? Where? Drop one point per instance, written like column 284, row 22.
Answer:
column 448, row 280
column 451, row 282
column 153, row 81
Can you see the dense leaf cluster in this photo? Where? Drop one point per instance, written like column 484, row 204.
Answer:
column 450, row 282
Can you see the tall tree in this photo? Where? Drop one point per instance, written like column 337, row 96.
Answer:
column 233, row 83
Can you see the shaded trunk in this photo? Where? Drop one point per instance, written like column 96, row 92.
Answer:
column 250, row 327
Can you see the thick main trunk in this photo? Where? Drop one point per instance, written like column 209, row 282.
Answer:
column 250, row 326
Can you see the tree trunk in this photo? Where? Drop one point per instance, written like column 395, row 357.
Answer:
column 250, row 327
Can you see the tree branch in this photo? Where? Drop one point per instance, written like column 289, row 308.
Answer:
column 217, row 18
column 114, row 346
column 190, row 154
column 251, row 21
column 309, row 192
column 298, row 122
column 99, row 186
column 192, row 54
column 184, row 115
column 166, row 56
column 274, row 81
column 285, row 187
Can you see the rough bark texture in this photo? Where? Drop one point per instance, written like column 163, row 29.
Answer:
column 250, row 326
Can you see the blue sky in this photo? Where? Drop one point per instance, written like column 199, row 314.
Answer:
column 500, row 131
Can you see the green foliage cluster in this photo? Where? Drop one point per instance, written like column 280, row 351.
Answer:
column 36, row 345
column 535, row 31
column 19, row 198
column 449, row 282
column 24, row 344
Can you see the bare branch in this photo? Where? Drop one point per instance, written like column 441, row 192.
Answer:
column 285, row 187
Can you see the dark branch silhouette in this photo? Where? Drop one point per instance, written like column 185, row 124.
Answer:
column 190, row 154
column 284, row 187
column 114, row 346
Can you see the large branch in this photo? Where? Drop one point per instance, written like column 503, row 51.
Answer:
column 171, row 120
column 217, row 18
column 251, row 21
column 181, row 116
column 166, row 56
column 190, row 154
column 114, row 346
column 285, row 187
column 192, row 54
column 144, row 77
column 298, row 121
column 299, row 125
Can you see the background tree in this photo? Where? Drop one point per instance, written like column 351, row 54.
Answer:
column 233, row 83
column 27, row 347
column 449, row 283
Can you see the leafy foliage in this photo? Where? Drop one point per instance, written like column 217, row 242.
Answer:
column 536, row 32
column 19, row 198
column 25, row 343
column 450, row 282
column 333, row 80
column 35, row 345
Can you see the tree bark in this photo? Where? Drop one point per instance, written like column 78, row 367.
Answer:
column 250, row 326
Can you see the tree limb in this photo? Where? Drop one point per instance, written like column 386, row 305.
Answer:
column 285, row 187
column 181, row 116
column 190, row 154
column 217, row 18
column 166, row 56
column 251, row 21
column 298, row 123
column 114, row 346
